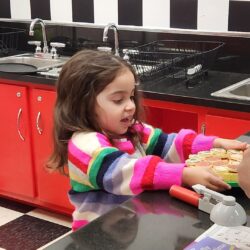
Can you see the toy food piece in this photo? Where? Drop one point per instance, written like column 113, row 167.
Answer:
column 223, row 162
column 220, row 152
column 233, row 165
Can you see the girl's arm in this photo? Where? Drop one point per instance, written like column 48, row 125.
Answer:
column 173, row 147
column 94, row 164
column 177, row 147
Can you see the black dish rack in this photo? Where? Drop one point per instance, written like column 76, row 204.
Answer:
column 9, row 40
column 176, row 59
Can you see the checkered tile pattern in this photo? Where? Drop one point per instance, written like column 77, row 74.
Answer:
column 25, row 227
column 202, row 15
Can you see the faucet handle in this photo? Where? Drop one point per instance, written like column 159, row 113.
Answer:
column 37, row 44
column 57, row 45
column 53, row 50
column 126, row 56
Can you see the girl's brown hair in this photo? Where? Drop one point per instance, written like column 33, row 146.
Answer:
column 82, row 78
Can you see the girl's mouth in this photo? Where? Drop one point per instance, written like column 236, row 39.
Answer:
column 127, row 120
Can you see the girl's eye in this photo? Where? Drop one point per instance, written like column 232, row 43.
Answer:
column 132, row 98
column 118, row 101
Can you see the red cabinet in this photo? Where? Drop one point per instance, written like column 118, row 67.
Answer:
column 226, row 127
column 26, row 144
column 171, row 120
column 16, row 171
column 171, row 117
column 52, row 188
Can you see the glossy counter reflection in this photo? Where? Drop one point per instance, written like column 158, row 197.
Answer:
column 150, row 221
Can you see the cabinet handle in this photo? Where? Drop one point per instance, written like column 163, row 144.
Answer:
column 38, row 128
column 18, row 124
column 203, row 128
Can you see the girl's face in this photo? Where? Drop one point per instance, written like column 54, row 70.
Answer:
column 115, row 107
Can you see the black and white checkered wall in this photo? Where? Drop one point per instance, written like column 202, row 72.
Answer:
column 203, row 15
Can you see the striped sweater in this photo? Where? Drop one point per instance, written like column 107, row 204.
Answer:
column 103, row 175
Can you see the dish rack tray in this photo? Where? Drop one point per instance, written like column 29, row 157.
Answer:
column 173, row 58
column 9, row 39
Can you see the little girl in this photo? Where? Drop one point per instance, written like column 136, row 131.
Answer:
column 110, row 154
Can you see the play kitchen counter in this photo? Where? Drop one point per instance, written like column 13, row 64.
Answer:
column 26, row 112
column 152, row 220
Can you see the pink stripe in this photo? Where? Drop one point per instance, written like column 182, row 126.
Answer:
column 142, row 129
column 167, row 175
column 79, row 223
column 179, row 141
column 202, row 142
column 77, row 153
column 103, row 140
column 139, row 169
column 138, row 128
column 126, row 146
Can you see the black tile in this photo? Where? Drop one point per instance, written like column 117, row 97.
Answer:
column 130, row 12
column 27, row 232
column 83, row 11
column 40, row 9
column 239, row 16
column 16, row 206
column 183, row 14
column 5, row 9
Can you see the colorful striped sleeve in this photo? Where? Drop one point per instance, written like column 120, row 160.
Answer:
column 155, row 142
column 174, row 147
column 189, row 142
column 104, row 167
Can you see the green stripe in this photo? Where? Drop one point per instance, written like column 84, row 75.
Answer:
column 153, row 141
column 79, row 187
column 95, row 167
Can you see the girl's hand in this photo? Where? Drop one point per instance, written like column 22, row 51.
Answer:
column 229, row 144
column 244, row 172
column 204, row 176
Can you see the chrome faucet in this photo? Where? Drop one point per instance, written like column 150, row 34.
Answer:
column 31, row 33
column 105, row 36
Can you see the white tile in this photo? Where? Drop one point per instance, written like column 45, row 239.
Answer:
column 61, row 10
column 156, row 13
column 213, row 15
column 52, row 217
column 105, row 11
column 7, row 215
column 20, row 9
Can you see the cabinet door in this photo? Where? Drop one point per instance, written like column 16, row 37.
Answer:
column 16, row 173
column 52, row 187
column 171, row 120
column 226, row 127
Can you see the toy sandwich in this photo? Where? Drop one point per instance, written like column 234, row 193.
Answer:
column 223, row 162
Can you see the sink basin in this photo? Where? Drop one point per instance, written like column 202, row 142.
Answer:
column 239, row 90
column 28, row 62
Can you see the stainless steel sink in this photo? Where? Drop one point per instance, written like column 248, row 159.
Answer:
column 239, row 90
column 29, row 59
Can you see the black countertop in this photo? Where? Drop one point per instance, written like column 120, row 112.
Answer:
column 200, row 93
column 151, row 220
column 170, row 90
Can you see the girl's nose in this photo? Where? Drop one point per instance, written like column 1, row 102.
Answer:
column 130, row 105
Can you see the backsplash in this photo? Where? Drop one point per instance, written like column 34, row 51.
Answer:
column 200, row 15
